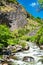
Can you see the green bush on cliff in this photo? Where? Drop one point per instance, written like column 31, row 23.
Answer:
column 41, row 40
column 19, row 32
column 22, row 31
column 12, row 38
column 24, row 37
column 38, row 38
column 4, row 34
column 41, row 3
column 22, row 43
column 13, row 41
column 12, row 1
column 33, row 38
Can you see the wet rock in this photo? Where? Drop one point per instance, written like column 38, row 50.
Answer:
column 5, row 57
column 28, row 59
column 26, row 47
column 41, row 60
column 1, row 60
column 41, row 47
column 6, row 52
column 18, row 48
column 11, row 47
column 15, row 48
column 14, row 57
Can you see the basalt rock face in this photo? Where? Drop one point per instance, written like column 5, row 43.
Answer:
column 15, row 18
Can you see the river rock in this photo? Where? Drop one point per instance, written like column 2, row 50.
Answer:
column 15, row 48
column 28, row 59
column 10, row 47
column 6, row 52
column 26, row 47
column 18, row 47
column 41, row 60
column 41, row 47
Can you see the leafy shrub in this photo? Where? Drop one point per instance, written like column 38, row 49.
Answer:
column 23, row 44
column 38, row 38
column 33, row 39
column 1, row 46
column 41, row 40
column 20, row 32
column 13, row 41
column 4, row 34
column 12, row 1
column 26, row 38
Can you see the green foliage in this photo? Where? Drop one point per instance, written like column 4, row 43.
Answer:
column 4, row 34
column 13, row 41
column 41, row 40
column 38, row 38
column 33, row 39
column 20, row 32
column 23, row 44
column 12, row 38
column 27, row 38
column 4, row 2
column 38, row 20
column 6, row 37
column 1, row 46
column 41, row 3
column 12, row 1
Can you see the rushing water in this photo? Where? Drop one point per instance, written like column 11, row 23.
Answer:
column 33, row 7
column 34, row 52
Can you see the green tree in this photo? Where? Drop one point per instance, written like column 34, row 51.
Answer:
column 41, row 3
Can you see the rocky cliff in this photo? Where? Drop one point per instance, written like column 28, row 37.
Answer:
column 13, row 15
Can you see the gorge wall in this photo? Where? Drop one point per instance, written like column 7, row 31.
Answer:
column 14, row 16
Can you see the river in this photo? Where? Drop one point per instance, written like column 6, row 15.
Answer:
column 33, row 56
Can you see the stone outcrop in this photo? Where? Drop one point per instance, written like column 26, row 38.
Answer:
column 15, row 18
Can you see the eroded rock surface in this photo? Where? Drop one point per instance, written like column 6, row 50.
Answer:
column 14, row 18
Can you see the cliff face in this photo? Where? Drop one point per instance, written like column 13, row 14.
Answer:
column 15, row 16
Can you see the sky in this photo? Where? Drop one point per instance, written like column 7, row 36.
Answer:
column 32, row 7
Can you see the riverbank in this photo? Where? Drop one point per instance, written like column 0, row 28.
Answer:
column 24, row 57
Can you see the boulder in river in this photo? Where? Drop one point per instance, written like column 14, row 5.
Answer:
column 26, row 47
column 18, row 47
column 28, row 59
column 41, row 46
